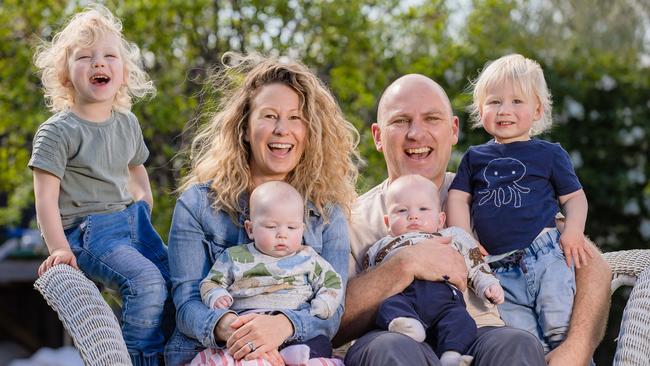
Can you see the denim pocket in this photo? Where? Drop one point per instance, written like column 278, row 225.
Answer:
column 145, row 204
column 75, row 237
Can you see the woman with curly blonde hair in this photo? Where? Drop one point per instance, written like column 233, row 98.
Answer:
column 275, row 120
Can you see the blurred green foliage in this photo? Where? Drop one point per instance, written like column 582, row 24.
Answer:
column 595, row 53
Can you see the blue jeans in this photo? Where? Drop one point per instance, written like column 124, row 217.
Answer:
column 539, row 289
column 122, row 251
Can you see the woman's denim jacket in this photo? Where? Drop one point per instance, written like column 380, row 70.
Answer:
column 199, row 234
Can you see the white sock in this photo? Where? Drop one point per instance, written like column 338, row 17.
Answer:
column 465, row 360
column 408, row 326
column 453, row 358
column 450, row 358
column 298, row 354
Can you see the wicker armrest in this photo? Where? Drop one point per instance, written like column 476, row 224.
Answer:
column 627, row 265
column 89, row 320
column 630, row 268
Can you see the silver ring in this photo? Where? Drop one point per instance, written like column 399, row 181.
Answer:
column 251, row 346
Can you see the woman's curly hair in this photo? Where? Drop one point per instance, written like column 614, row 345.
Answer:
column 326, row 173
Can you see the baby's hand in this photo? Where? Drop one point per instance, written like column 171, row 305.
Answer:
column 222, row 302
column 494, row 293
column 575, row 247
column 58, row 256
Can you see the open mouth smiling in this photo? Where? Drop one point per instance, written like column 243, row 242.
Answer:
column 99, row 79
column 280, row 148
column 418, row 152
column 505, row 123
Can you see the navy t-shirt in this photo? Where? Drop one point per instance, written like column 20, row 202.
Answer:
column 515, row 189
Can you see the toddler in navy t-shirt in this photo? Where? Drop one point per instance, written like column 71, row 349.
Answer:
column 510, row 187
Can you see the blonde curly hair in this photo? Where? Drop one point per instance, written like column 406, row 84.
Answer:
column 326, row 173
column 526, row 75
column 83, row 30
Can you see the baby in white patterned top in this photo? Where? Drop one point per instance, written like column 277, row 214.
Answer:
column 276, row 271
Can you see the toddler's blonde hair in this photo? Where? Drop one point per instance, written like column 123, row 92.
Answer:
column 526, row 75
column 83, row 30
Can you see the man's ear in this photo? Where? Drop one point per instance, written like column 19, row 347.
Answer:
column 455, row 125
column 376, row 136
column 386, row 222
column 248, row 225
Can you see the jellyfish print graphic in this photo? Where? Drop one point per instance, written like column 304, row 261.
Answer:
column 502, row 176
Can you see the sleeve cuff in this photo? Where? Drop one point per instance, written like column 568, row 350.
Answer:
column 208, row 340
column 213, row 295
column 299, row 330
column 50, row 168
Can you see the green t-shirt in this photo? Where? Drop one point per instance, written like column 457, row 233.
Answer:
column 92, row 161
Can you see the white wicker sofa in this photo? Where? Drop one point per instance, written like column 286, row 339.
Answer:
column 85, row 315
column 96, row 332
column 631, row 268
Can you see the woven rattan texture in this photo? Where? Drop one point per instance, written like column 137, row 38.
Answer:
column 89, row 320
column 634, row 338
column 628, row 262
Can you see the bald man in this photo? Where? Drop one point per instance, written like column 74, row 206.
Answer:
column 415, row 131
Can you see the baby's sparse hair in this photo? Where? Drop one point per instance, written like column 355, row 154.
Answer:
column 273, row 193
column 83, row 29
column 428, row 188
column 526, row 75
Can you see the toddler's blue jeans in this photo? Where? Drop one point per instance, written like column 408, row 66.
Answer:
column 539, row 289
column 122, row 251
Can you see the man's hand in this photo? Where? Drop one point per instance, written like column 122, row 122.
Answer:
column 483, row 251
column 563, row 355
column 494, row 293
column 432, row 259
column 575, row 247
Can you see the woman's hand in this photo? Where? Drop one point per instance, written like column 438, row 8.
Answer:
column 274, row 358
column 258, row 334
